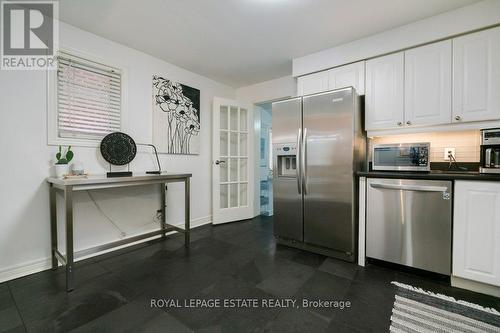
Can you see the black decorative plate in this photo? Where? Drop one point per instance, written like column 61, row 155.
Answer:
column 118, row 148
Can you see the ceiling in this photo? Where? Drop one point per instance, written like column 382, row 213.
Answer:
column 242, row 42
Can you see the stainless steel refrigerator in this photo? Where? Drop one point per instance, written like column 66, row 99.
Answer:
column 318, row 145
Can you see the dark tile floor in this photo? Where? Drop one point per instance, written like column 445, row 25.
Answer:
column 238, row 260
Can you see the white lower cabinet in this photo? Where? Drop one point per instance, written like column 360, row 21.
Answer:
column 476, row 231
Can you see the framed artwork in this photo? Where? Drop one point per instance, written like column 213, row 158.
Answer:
column 176, row 117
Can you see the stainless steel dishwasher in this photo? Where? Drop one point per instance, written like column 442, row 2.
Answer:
column 408, row 222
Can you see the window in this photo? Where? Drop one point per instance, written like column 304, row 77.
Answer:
column 88, row 99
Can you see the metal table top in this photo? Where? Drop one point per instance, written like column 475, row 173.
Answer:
column 103, row 181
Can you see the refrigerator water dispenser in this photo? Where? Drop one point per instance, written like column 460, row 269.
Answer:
column 286, row 160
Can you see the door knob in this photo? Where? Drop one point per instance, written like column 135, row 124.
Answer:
column 408, row 122
column 458, row 118
column 217, row 162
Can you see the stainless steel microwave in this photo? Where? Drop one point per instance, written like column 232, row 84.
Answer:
column 401, row 157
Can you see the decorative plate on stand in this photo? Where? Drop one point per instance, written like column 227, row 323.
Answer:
column 118, row 149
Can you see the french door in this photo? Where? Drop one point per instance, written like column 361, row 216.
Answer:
column 233, row 161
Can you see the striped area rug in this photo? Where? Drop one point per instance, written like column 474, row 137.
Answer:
column 417, row 310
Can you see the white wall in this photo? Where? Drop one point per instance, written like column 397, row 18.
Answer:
column 282, row 87
column 466, row 143
column 256, row 164
column 279, row 88
column 479, row 15
column 26, row 159
column 266, row 122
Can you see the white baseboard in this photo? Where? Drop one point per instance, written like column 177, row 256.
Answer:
column 478, row 287
column 24, row 269
column 35, row 266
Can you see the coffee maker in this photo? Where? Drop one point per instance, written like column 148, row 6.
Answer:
column 490, row 151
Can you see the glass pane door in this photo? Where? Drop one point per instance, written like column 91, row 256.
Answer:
column 234, row 148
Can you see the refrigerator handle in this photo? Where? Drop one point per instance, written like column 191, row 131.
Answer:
column 298, row 166
column 303, row 161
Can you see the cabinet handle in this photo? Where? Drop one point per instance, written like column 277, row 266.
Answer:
column 458, row 118
column 408, row 122
column 400, row 123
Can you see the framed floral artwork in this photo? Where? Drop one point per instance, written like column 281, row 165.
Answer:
column 176, row 117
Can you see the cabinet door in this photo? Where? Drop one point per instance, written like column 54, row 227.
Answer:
column 384, row 92
column 312, row 83
column 428, row 84
column 476, row 234
column 352, row 75
column 476, row 76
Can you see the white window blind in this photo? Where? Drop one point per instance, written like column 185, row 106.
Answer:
column 88, row 98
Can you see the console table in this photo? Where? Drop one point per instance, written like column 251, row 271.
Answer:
column 68, row 186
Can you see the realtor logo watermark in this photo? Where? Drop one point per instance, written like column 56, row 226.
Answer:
column 30, row 32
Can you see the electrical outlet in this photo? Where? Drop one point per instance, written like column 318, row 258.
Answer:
column 447, row 152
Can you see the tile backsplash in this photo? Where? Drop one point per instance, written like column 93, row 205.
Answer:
column 466, row 143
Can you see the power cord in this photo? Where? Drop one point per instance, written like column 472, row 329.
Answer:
column 453, row 161
column 123, row 234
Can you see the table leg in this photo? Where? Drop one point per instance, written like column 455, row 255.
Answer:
column 68, row 200
column 163, row 197
column 187, row 212
column 53, row 225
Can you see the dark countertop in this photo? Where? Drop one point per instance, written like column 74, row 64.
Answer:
column 434, row 174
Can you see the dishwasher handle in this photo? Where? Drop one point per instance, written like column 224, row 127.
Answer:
column 422, row 188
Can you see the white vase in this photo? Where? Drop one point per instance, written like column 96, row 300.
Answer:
column 61, row 170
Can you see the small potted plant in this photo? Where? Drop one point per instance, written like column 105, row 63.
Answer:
column 62, row 163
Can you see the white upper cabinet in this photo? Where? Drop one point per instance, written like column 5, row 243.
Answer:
column 312, row 83
column 476, row 76
column 384, row 92
column 476, row 231
column 440, row 84
column 352, row 75
column 427, row 85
